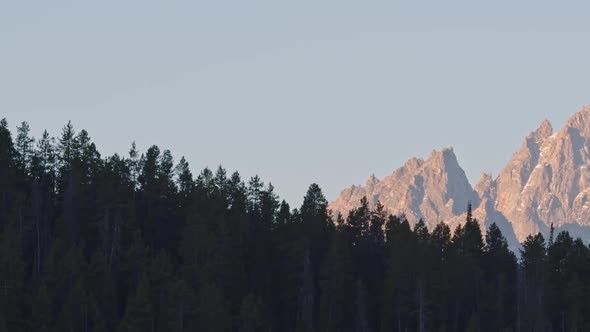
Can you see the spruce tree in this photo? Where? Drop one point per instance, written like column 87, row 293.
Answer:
column 24, row 147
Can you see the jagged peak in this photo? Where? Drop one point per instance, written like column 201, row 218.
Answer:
column 542, row 133
column 485, row 177
column 580, row 121
column 445, row 156
column 545, row 128
column 443, row 153
column 372, row 180
column 485, row 182
column 414, row 162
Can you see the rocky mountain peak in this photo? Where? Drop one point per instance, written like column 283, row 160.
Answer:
column 445, row 155
column 414, row 163
column 543, row 132
column 546, row 181
column 485, row 179
column 434, row 189
column 371, row 182
column 484, row 185
column 580, row 121
column 372, row 179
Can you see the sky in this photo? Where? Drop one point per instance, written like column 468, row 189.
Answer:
column 297, row 91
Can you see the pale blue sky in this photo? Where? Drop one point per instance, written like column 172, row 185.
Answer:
column 298, row 91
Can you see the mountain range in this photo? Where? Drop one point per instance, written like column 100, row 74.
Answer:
column 546, row 182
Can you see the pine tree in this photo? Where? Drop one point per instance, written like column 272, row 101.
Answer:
column 43, row 161
column 166, row 174
column 284, row 213
column 466, row 266
column 185, row 182
column 314, row 222
column 440, row 282
column 499, row 291
column 534, row 258
column 399, row 284
column 134, row 165
column 7, row 150
column 149, row 169
column 337, row 284
column 24, row 147
column 7, row 174
column 255, row 188
column 358, row 221
column 67, row 149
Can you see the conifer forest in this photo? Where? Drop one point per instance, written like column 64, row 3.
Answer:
column 138, row 243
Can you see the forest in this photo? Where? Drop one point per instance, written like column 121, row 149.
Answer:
column 136, row 242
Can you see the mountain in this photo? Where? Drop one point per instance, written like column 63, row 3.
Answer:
column 433, row 190
column 546, row 181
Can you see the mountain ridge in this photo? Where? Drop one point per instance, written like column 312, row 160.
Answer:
column 547, row 181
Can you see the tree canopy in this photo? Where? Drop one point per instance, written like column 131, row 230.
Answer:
column 141, row 243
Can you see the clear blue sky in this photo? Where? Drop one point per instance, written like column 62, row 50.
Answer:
column 298, row 91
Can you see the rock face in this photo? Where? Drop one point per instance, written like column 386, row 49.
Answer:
column 435, row 189
column 547, row 181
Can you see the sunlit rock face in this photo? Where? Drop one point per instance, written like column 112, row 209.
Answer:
column 546, row 181
column 435, row 189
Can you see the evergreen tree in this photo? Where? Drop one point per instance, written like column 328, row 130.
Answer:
column 185, row 182
column 67, row 149
column 134, row 165
column 337, row 284
column 467, row 274
column 399, row 284
column 284, row 213
column 499, row 290
column 534, row 258
column 7, row 174
column 43, row 161
column 24, row 147
column 440, row 271
column 358, row 221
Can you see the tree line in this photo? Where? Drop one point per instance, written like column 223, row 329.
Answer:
column 137, row 243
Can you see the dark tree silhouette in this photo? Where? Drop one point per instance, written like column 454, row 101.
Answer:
column 137, row 243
